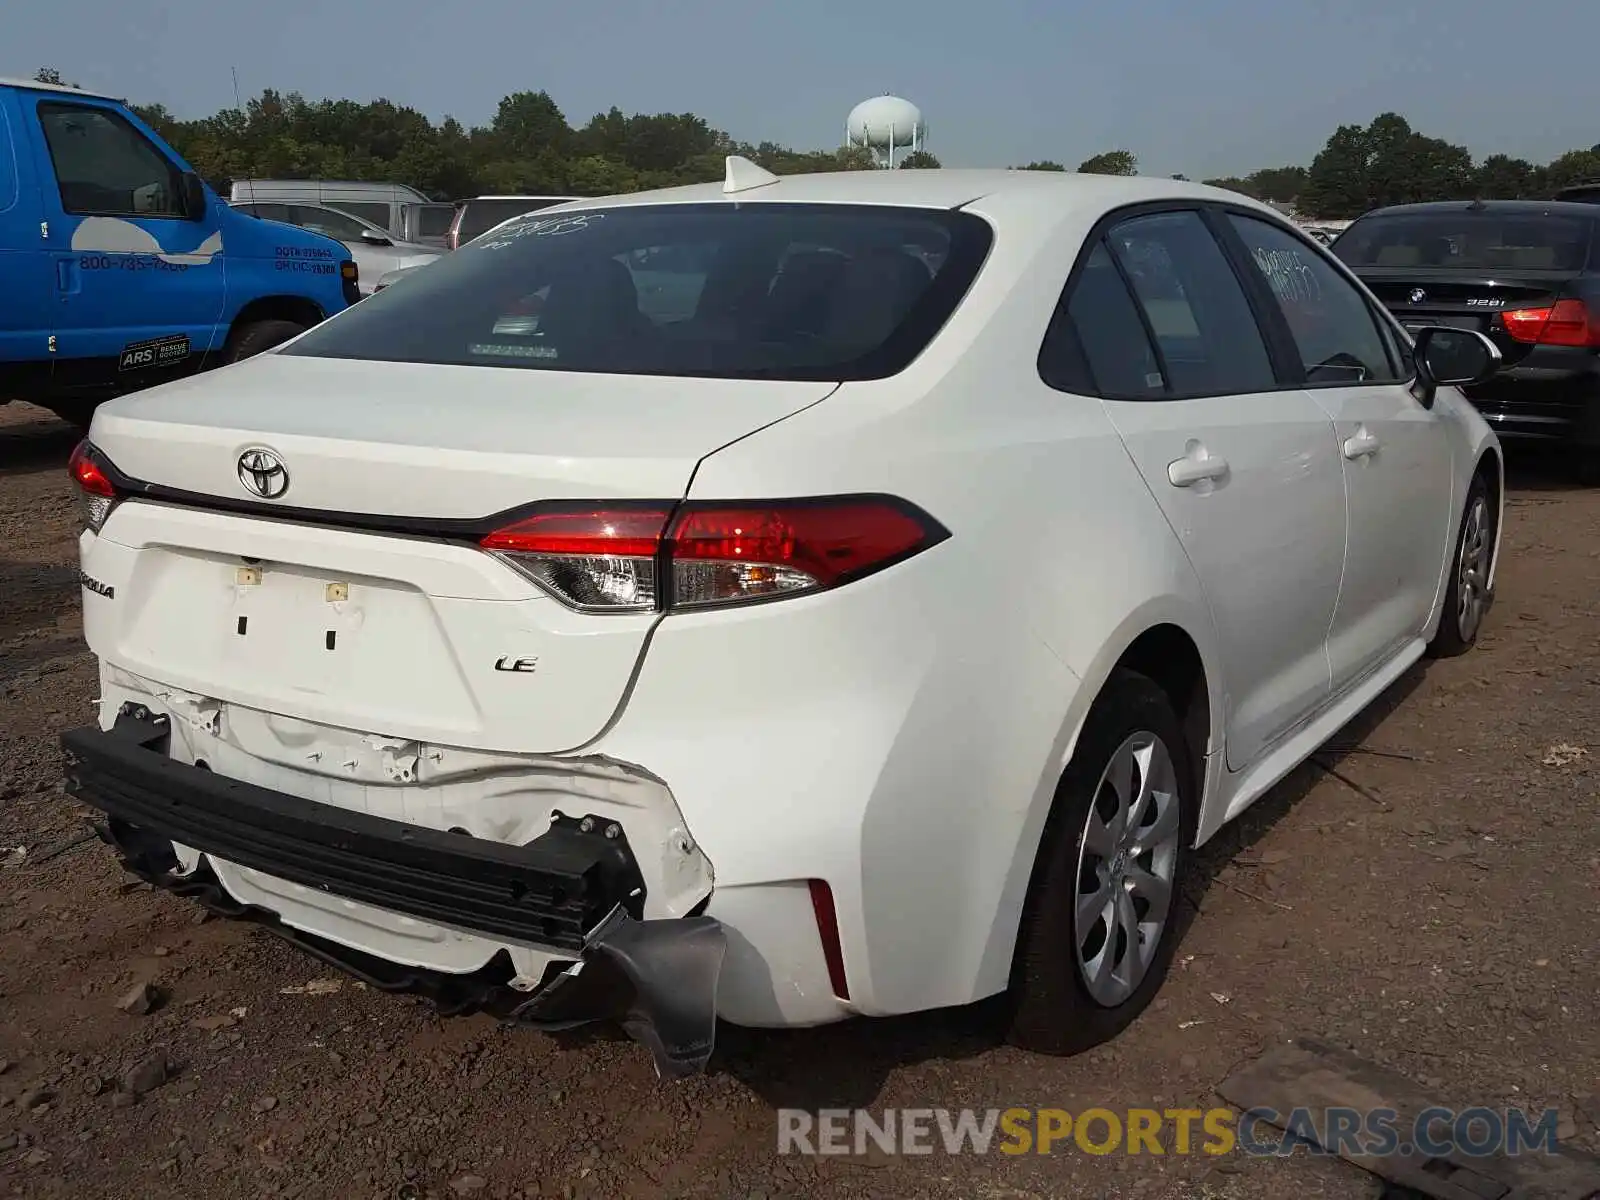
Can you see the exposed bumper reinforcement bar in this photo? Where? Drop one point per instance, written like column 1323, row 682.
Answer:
column 569, row 889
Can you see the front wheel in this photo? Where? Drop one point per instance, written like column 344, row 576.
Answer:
column 1467, row 598
column 257, row 336
column 1099, row 931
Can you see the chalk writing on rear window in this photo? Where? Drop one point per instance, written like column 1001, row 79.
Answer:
column 1289, row 275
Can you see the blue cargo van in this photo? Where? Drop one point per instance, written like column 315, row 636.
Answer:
column 121, row 269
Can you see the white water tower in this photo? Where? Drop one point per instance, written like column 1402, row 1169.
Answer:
column 884, row 125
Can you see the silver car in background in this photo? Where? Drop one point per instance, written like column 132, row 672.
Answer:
column 375, row 250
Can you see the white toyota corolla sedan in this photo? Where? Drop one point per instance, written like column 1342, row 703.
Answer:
column 775, row 601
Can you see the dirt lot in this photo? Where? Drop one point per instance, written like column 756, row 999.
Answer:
column 1435, row 907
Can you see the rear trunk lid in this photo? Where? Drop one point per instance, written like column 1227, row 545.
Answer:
column 1472, row 299
column 1466, row 265
column 358, row 597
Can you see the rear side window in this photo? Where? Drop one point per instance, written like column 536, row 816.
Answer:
column 480, row 216
column 1104, row 333
column 1333, row 327
column 1467, row 240
column 755, row 291
column 327, row 221
column 269, row 212
column 378, row 214
column 1194, row 305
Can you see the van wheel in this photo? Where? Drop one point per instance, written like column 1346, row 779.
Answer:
column 77, row 413
column 258, row 336
column 1100, row 927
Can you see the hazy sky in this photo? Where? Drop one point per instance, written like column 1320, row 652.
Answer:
column 1205, row 87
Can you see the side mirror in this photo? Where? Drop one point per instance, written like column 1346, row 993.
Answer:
column 373, row 238
column 1447, row 357
column 194, row 196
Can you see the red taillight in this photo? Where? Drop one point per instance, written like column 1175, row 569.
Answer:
column 593, row 559
column 723, row 554
column 95, row 489
column 627, row 559
column 1565, row 323
column 828, row 930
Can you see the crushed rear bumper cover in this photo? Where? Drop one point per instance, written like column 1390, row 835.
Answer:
column 571, row 889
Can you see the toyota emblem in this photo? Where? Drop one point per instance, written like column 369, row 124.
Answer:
column 262, row 473
column 1418, row 295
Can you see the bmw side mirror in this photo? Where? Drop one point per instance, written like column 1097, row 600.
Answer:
column 1447, row 357
column 194, row 196
column 374, row 238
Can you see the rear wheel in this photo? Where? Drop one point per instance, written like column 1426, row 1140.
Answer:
column 77, row 413
column 1467, row 598
column 258, row 336
column 1099, row 931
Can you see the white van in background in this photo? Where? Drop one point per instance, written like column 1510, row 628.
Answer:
column 406, row 213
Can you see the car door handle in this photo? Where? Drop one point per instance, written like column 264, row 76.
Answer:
column 1196, row 467
column 1360, row 444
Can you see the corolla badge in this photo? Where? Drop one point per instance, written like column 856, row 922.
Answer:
column 1418, row 295
column 262, row 473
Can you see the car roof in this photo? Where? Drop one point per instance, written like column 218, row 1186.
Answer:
column 1042, row 198
column 1528, row 208
column 35, row 85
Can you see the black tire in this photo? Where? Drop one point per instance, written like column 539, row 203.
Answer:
column 1459, row 624
column 258, row 336
column 1054, row 1009
column 1586, row 466
column 77, row 413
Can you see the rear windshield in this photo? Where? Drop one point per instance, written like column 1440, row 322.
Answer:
column 1583, row 193
column 753, row 291
column 480, row 216
column 1467, row 241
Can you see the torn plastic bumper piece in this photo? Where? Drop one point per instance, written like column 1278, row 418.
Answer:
column 571, row 889
column 668, row 973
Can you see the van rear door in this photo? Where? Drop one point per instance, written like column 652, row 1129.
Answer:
column 140, row 282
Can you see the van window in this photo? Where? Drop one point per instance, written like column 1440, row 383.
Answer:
column 378, row 214
column 434, row 220
column 105, row 167
column 759, row 291
column 8, row 165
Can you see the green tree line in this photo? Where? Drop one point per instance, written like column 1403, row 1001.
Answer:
column 1388, row 162
column 531, row 147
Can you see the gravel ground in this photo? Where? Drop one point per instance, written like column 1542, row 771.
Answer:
column 1434, row 907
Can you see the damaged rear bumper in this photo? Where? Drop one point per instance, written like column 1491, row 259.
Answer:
column 575, row 889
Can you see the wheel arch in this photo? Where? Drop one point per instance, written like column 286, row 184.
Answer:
column 299, row 309
column 1169, row 641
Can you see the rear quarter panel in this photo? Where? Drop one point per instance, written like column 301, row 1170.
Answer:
column 942, row 697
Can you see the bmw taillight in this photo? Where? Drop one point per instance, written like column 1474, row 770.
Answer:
column 1564, row 323
column 97, row 494
column 656, row 557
